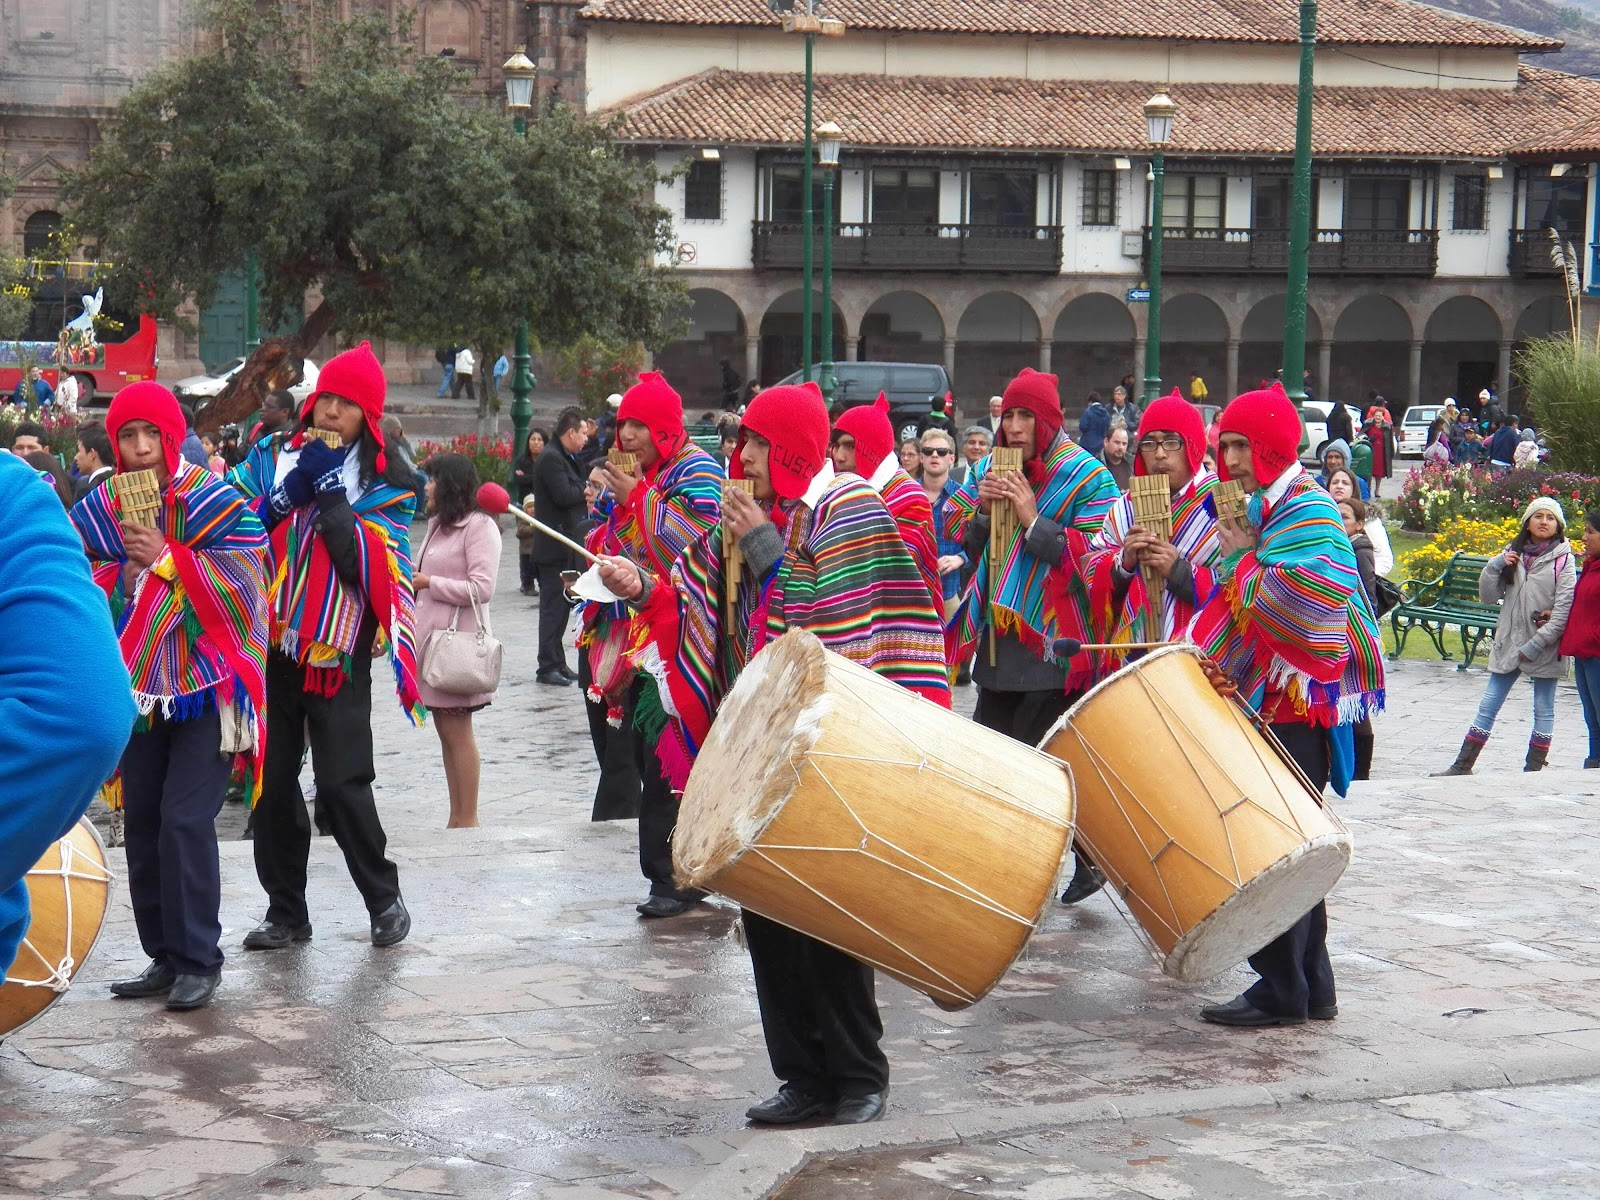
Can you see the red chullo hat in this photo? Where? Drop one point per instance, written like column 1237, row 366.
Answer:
column 1268, row 421
column 1040, row 394
column 874, row 435
column 793, row 418
column 148, row 401
column 357, row 376
column 1177, row 414
column 653, row 403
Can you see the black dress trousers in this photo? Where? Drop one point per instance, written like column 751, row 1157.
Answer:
column 555, row 610
column 819, row 1013
column 341, row 761
column 174, row 778
column 658, row 807
column 616, row 796
column 1296, row 974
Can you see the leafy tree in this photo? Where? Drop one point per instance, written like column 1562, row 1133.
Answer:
column 352, row 164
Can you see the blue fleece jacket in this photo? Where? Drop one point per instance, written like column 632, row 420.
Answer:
column 66, row 706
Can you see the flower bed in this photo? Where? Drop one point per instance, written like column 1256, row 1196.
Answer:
column 61, row 431
column 1432, row 496
column 492, row 456
column 1465, row 535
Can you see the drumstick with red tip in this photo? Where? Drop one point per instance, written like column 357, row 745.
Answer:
column 493, row 498
column 1067, row 647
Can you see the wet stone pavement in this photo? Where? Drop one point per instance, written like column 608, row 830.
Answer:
column 535, row 1038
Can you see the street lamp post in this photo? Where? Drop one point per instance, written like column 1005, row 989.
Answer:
column 830, row 139
column 252, row 304
column 1294, row 305
column 1159, row 111
column 519, row 72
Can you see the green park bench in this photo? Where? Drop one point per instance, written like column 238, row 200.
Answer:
column 1450, row 599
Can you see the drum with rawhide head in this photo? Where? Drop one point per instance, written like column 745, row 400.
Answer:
column 836, row 802
column 68, row 893
column 1213, row 839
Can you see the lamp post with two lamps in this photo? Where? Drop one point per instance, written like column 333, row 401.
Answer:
column 830, row 140
column 520, row 72
column 1159, row 111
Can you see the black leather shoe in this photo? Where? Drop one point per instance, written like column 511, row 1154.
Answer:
column 787, row 1107
column 553, row 678
column 569, row 673
column 391, row 925
column 156, row 981
column 665, row 906
column 271, row 936
column 1241, row 1013
column 858, row 1110
column 192, row 991
column 1087, row 879
column 1323, row 1012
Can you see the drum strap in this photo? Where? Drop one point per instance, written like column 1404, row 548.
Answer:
column 59, row 975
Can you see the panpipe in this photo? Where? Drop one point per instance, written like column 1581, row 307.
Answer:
column 1002, row 529
column 732, row 560
column 624, row 462
column 1152, row 512
column 328, row 437
column 1232, row 504
column 139, row 493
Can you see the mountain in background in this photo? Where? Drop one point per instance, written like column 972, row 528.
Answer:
column 1576, row 22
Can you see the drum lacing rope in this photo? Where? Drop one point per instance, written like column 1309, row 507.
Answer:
column 58, row 978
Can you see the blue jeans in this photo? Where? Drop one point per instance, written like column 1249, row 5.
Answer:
column 449, row 377
column 1588, row 672
column 1544, row 704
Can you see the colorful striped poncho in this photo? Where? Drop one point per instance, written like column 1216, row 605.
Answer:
column 678, row 500
column 845, row 575
column 316, row 616
column 1076, row 495
column 1095, row 558
column 195, row 629
column 1290, row 618
column 908, row 505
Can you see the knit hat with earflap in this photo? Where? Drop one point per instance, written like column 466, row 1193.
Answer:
column 874, row 435
column 357, row 376
column 1268, row 421
column 793, row 418
column 1040, row 394
column 654, row 404
column 1177, row 414
column 148, row 401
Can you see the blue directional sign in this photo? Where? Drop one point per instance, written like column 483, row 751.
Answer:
column 1138, row 295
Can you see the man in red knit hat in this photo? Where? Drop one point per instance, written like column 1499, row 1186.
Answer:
column 673, row 500
column 1288, row 625
column 339, row 525
column 819, row 552
column 863, row 442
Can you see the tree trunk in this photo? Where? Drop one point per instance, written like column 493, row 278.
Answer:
column 277, row 363
column 488, row 419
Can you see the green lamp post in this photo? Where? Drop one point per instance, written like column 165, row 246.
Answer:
column 520, row 72
column 830, row 139
column 1294, row 305
column 1159, row 112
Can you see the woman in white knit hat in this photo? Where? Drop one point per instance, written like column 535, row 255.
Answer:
column 1533, row 579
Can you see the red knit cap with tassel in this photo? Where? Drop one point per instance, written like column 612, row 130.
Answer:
column 1268, row 421
column 356, row 376
column 793, row 418
column 1178, row 415
column 148, row 401
column 874, row 435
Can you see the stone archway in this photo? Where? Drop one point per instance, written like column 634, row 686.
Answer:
column 1261, row 345
column 1461, row 351
column 997, row 336
column 1194, row 340
column 1374, row 351
column 693, row 362
column 781, row 348
column 1091, row 347
column 902, row 326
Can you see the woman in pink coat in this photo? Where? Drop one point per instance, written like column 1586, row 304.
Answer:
column 460, row 552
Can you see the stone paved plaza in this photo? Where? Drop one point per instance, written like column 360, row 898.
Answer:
column 534, row 1038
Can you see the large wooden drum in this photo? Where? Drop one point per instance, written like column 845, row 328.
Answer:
column 1214, row 842
column 836, row 802
column 68, row 892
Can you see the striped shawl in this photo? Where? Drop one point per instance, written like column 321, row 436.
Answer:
column 678, row 500
column 1290, row 619
column 316, row 616
column 908, row 505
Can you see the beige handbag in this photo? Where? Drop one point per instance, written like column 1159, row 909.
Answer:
column 465, row 664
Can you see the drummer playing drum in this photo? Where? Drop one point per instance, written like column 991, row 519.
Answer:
column 1289, row 625
column 820, row 552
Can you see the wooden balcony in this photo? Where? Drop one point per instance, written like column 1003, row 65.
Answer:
column 1413, row 252
column 1530, row 254
column 879, row 247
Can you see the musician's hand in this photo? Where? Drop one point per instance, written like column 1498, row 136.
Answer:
column 740, row 512
column 619, row 481
column 621, row 576
column 1160, row 555
column 419, row 581
column 1218, row 679
column 1133, row 544
column 950, row 562
column 1020, row 492
column 1233, row 537
column 143, row 544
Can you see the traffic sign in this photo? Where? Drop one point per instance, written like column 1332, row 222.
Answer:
column 1138, row 295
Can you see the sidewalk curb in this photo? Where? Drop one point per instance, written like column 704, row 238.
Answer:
column 762, row 1166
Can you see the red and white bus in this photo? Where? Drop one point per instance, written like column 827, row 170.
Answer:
column 103, row 371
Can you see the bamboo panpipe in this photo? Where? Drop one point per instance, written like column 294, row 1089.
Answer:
column 1152, row 512
column 140, row 495
column 1002, row 529
column 732, row 560
column 627, row 463
column 1232, row 504
column 327, row 437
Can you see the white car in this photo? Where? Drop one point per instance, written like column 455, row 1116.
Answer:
column 1315, row 415
column 208, row 387
column 1411, row 439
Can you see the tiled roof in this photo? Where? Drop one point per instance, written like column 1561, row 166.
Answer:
column 1342, row 22
column 1580, row 140
column 741, row 108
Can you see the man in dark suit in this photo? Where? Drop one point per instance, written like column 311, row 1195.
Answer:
column 558, row 499
column 95, row 459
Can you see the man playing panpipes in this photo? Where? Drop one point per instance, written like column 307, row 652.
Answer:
column 820, row 552
column 188, row 590
column 863, row 442
column 658, row 514
column 1289, row 626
